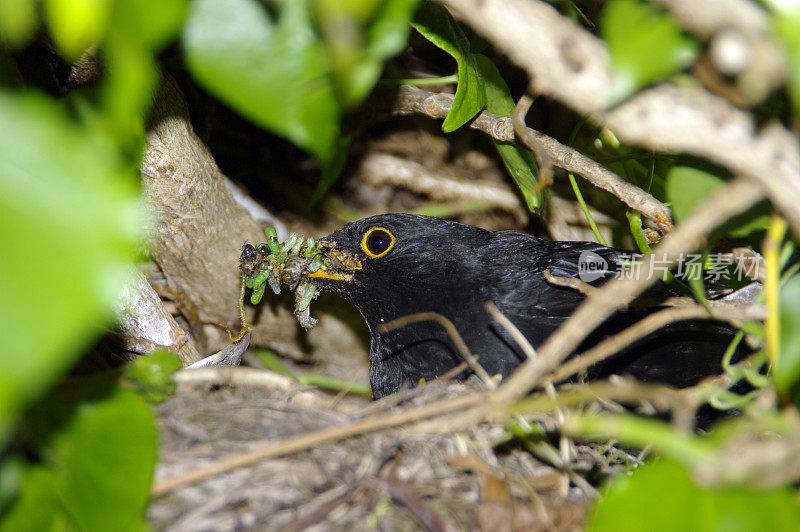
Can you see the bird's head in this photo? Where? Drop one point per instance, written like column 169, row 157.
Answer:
column 392, row 265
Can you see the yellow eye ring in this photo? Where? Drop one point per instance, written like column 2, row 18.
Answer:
column 377, row 242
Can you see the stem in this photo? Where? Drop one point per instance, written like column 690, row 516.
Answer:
column 585, row 208
column 771, row 247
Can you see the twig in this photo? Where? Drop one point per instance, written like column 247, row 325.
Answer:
column 727, row 201
column 309, row 440
column 455, row 336
column 382, row 169
column 405, row 495
column 235, row 375
column 651, row 323
column 512, row 329
column 571, row 65
column 414, row 100
column 528, row 137
column 569, row 282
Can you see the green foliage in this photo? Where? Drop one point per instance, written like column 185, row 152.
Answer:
column 71, row 220
column 645, row 45
column 436, row 25
column 786, row 22
column 18, row 21
column 275, row 72
column 137, row 31
column 661, row 496
column 98, row 452
column 75, row 25
column 519, row 162
column 152, row 375
column 479, row 85
column 787, row 370
column 359, row 36
column 278, row 72
column 688, row 187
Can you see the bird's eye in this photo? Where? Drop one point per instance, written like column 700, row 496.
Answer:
column 377, row 242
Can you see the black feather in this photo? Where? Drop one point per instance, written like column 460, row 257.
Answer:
column 453, row 269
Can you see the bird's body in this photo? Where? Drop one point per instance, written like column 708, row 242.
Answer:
column 409, row 264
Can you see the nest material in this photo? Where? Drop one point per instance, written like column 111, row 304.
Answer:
column 409, row 478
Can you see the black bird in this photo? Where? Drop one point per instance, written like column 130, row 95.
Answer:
column 401, row 264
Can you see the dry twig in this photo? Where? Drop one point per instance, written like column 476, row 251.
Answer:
column 727, row 201
column 652, row 323
column 384, row 169
column 529, row 138
column 413, row 100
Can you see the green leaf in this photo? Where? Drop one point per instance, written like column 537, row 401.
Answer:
column 645, row 45
column 153, row 374
column 275, row 72
column 436, row 25
column 661, row 496
column 358, row 37
column 687, row 187
column 101, row 451
column 75, row 25
column 137, row 29
column 37, row 506
column 71, row 218
column 787, row 371
column 520, row 163
column 786, row 21
column 18, row 21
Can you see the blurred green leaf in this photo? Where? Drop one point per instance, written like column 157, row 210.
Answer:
column 786, row 21
column 661, row 496
column 359, row 35
column 75, row 25
column 687, row 187
column 137, row 30
column 272, row 362
column 98, row 441
column 18, row 21
column 645, row 45
column 787, row 371
column 153, row 374
column 36, row 507
column 71, row 216
column 275, row 72
column 436, row 25
column 148, row 23
column 520, row 163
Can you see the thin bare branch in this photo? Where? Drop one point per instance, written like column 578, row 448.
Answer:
column 413, row 100
column 383, row 169
column 726, row 202
column 652, row 323
column 528, row 137
column 455, row 336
